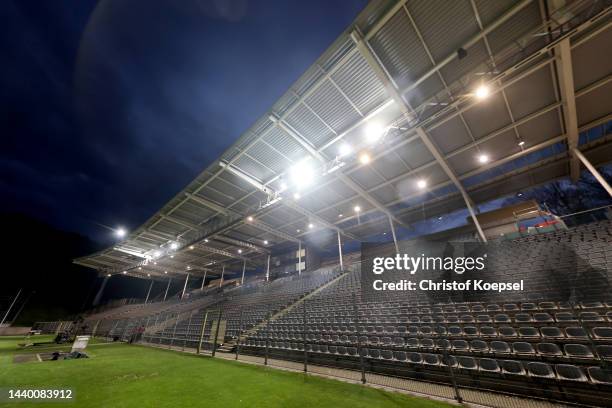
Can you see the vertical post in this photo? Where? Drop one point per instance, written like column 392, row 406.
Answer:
column 95, row 329
column 268, row 269
column 300, row 258
column 174, row 331
column 267, row 349
column 593, row 171
column 185, row 286
column 214, row 349
column 144, row 330
column 304, row 338
column 202, row 330
column 188, row 330
column 204, row 279
column 149, row 292
column 393, row 233
column 98, row 297
column 239, row 334
column 10, row 307
column 452, row 375
column 222, row 275
column 167, row 288
column 244, row 270
column 361, row 364
column 340, row 252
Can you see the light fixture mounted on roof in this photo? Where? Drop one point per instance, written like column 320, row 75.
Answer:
column 174, row 245
column 364, row 158
column 483, row 158
column 120, row 232
column 421, row 184
column 482, row 92
column 374, row 131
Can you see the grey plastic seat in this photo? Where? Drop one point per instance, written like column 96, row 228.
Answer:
column 398, row 341
column 332, row 349
column 600, row 376
column 443, row 344
column 500, row 347
column 549, row 349
column 341, row 350
column 323, row 348
column 570, row 372
column 415, row 358
column 479, row 346
column 431, row 359
column 386, row 354
column 471, row 331
column 523, row 318
column 399, row 355
column 412, row 342
column 489, row 365
column 467, row 363
column 374, row 353
column 512, row 367
column 529, row 332
column 449, row 361
column 565, row 317
column 521, row 347
column 551, row 332
column 483, row 318
column 507, row 331
column 488, row 331
column 547, row 306
column 579, row 351
column 455, row 331
column 351, row 351
column 541, row 370
column 427, row 343
column 529, row 306
column 604, row 351
column 576, row 333
column 364, row 352
column 511, row 307
column 439, row 330
column 604, row 333
column 460, row 345
column 591, row 317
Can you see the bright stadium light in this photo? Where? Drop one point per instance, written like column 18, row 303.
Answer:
column 421, row 184
column 296, row 196
column 174, row 245
column 302, row 174
column 108, row 275
column 157, row 254
column 265, row 242
column 482, row 92
column 344, row 150
column 205, row 239
column 125, row 272
column 166, row 272
column 250, row 218
column 483, row 158
column 357, row 208
column 364, row 158
column 374, row 131
column 120, row 232
column 191, row 247
column 340, row 215
column 240, row 251
column 521, row 143
column 171, row 256
column 298, row 230
column 149, row 275
column 140, row 268
column 311, row 225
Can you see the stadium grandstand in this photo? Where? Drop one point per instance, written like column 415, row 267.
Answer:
column 420, row 113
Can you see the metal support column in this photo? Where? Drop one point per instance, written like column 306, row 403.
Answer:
column 340, row 251
column 185, row 286
column 202, row 330
column 268, row 269
column 167, row 288
column 361, row 363
column 244, row 269
column 98, row 297
column 204, row 280
column 593, row 171
column 394, row 236
column 149, row 292
column 10, row 307
column 239, row 334
column 304, row 338
column 300, row 258
column 222, row 276
column 214, row 349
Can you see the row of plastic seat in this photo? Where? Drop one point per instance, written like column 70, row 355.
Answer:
column 528, row 332
column 535, row 369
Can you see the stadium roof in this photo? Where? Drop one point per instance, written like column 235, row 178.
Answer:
column 419, row 108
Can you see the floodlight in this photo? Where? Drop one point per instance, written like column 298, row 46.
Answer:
column 296, row 196
column 205, row 239
column 266, row 242
column 124, row 272
column 174, row 245
column 357, row 208
column 482, row 92
column 302, row 174
column 364, row 158
column 191, row 247
column 298, row 230
column 149, row 275
column 156, row 254
column 344, row 150
column 108, row 275
column 250, row 218
column 240, row 251
column 483, row 158
column 140, row 268
column 311, row 225
column 340, row 215
column 166, row 272
column 421, row 184
column 120, row 232
column 171, row 256
column 374, row 131
column 521, row 143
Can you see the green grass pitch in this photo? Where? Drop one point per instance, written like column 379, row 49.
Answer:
column 119, row 375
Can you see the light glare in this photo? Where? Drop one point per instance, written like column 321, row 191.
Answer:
column 374, row 131
column 482, row 92
column 344, row 150
column 483, row 158
column 120, row 232
column 364, row 158
column 421, row 184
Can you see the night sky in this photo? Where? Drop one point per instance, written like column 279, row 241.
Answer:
column 109, row 108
